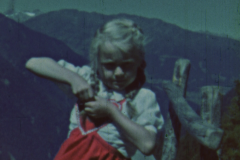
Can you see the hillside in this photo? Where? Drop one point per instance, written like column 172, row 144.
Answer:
column 33, row 121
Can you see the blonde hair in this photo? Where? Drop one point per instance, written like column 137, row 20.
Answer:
column 127, row 37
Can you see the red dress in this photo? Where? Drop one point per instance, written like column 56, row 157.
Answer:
column 84, row 143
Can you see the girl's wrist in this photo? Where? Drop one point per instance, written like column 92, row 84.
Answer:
column 112, row 110
column 72, row 78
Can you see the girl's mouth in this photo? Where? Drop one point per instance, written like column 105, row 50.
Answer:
column 119, row 83
column 122, row 81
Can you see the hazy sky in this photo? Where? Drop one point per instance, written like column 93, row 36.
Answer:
column 220, row 17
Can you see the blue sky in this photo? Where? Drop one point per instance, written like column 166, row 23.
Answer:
column 221, row 17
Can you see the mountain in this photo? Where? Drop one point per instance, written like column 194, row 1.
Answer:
column 214, row 59
column 34, row 112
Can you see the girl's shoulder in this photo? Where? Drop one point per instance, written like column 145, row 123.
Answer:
column 145, row 93
column 145, row 98
column 147, row 110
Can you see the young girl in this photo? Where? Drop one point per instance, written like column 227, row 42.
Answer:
column 114, row 116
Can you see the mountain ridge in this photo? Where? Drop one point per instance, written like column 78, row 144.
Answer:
column 214, row 60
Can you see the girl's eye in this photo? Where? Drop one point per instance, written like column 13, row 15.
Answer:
column 109, row 66
column 127, row 65
column 124, row 66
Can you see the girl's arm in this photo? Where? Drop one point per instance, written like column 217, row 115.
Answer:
column 50, row 69
column 143, row 139
column 135, row 133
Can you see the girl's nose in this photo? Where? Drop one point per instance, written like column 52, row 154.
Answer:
column 118, row 71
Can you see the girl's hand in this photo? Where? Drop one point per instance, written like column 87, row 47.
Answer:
column 145, row 140
column 81, row 88
column 99, row 108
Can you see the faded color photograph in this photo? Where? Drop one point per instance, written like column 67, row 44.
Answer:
column 119, row 80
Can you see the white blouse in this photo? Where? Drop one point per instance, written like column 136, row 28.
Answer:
column 147, row 112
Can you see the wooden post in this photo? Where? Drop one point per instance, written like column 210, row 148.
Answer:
column 211, row 113
column 206, row 133
column 172, row 123
column 211, row 105
column 180, row 79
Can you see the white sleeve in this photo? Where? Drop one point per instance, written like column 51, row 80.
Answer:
column 148, row 110
column 83, row 71
column 73, row 121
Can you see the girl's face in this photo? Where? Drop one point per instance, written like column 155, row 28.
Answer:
column 117, row 69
